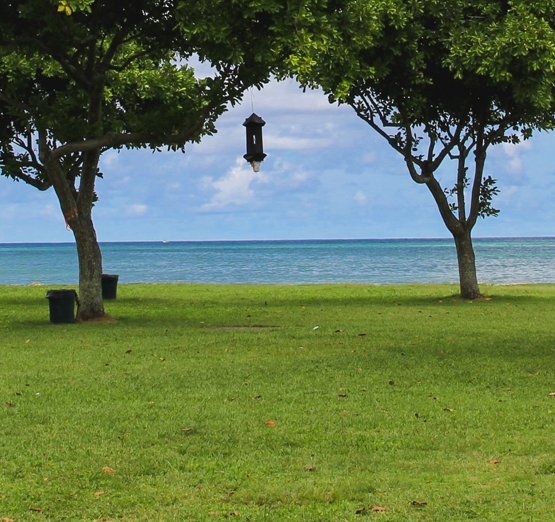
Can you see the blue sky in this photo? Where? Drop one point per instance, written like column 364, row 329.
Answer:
column 327, row 175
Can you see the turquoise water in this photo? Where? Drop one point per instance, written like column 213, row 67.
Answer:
column 393, row 261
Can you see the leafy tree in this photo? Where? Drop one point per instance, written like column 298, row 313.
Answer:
column 79, row 77
column 437, row 80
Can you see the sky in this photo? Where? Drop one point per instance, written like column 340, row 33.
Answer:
column 327, row 175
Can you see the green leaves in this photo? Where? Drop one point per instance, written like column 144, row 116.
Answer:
column 488, row 190
column 73, row 71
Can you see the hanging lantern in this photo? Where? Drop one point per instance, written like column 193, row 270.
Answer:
column 255, row 153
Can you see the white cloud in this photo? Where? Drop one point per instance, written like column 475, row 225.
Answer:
column 300, row 176
column 286, row 176
column 136, row 210
column 514, row 165
column 9, row 212
column 513, row 151
column 206, row 182
column 370, row 157
column 506, row 195
column 109, row 158
column 513, row 148
column 293, row 143
column 49, row 210
column 360, row 198
column 234, row 188
column 287, row 96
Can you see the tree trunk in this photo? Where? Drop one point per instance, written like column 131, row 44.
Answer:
column 90, row 269
column 467, row 266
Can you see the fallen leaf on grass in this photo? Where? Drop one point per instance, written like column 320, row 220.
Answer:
column 339, row 331
column 10, row 405
column 361, row 511
column 99, row 493
column 162, row 358
column 187, row 430
column 106, row 469
column 38, row 510
column 391, row 383
column 448, row 409
column 7, row 520
column 270, row 423
column 361, row 334
column 376, row 508
column 310, row 468
column 232, row 514
column 551, row 394
column 128, row 351
column 494, row 461
column 212, row 513
column 342, row 395
column 417, row 503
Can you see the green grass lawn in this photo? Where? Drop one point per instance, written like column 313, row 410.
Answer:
column 278, row 403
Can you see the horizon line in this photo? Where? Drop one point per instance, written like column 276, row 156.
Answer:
column 165, row 241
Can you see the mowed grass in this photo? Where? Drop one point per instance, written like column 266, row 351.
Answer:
column 311, row 403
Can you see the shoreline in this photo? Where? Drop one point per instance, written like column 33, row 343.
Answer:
column 36, row 284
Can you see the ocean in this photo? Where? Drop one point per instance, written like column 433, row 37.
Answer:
column 372, row 261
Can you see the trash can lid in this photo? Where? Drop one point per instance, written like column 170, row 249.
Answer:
column 60, row 294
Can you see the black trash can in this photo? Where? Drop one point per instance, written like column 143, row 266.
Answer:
column 62, row 305
column 109, row 286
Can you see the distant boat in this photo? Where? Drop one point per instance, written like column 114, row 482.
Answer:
column 164, row 241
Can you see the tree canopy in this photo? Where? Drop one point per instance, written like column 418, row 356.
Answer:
column 80, row 77
column 437, row 80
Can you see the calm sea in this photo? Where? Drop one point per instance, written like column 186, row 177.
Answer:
column 499, row 260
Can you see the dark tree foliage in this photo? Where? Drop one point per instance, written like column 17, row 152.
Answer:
column 438, row 81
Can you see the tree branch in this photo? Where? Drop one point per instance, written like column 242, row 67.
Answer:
column 366, row 113
column 42, row 185
column 119, row 140
column 27, row 146
column 79, row 78
column 478, row 176
column 448, row 147
column 461, row 183
column 121, row 68
column 451, row 222
column 117, row 40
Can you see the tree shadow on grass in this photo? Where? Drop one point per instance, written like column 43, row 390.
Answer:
column 189, row 310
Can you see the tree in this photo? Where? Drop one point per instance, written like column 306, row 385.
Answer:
column 79, row 77
column 437, row 80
